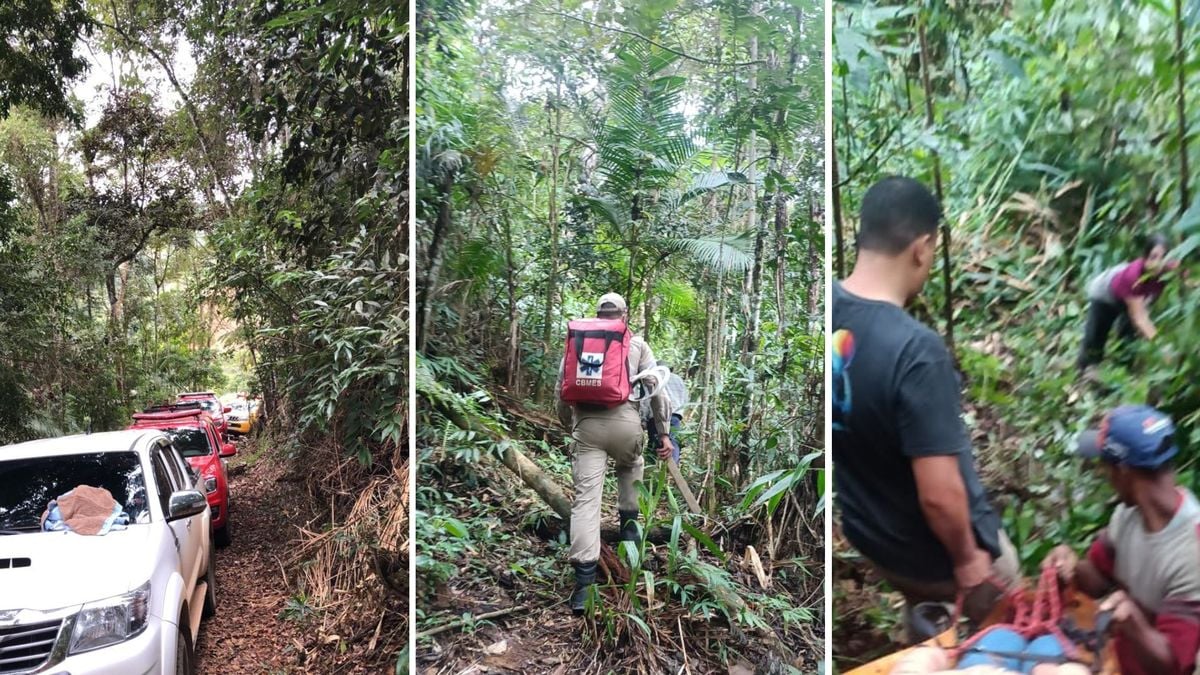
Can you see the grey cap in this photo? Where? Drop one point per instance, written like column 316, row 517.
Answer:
column 612, row 299
column 1088, row 444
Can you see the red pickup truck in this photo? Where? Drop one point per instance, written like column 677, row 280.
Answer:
column 195, row 436
column 212, row 405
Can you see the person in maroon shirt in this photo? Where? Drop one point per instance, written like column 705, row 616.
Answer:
column 1122, row 294
column 1146, row 562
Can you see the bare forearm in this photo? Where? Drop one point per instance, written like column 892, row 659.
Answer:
column 1146, row 327
column 1139, row 315
column 949, row 517
column 1091, row 580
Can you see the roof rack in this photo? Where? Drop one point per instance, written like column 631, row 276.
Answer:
column 174, row 407
column 165, row 415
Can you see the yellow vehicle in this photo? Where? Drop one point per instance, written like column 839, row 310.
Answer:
column 244, row 416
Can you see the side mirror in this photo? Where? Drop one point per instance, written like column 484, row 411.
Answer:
column 228, row 449
column 185, row 504
column 227, row 409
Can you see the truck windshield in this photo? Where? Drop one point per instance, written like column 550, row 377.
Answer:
column 190, row 442
column 27, row 485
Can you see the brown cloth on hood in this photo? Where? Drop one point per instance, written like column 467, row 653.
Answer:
column 85, row 509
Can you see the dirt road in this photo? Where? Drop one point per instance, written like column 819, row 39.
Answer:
column 249, row 633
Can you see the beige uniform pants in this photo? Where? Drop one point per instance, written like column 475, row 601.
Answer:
column 617, row 434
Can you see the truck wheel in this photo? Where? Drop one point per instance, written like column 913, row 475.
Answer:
column 210, row 592
column 185, row 662
column 224, row 536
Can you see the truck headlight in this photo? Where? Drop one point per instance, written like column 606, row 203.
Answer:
column 210, row 484
column 112, row 620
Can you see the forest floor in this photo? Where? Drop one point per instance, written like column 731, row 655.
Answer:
column 257, row 628
column 248, row 634
column 523, row 573
column 866, row 623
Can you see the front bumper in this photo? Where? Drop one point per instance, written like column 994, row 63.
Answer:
column 218, row 510
column 239, row 426
column 143, row 654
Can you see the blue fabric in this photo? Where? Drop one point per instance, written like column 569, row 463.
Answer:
column 995, row 640
column 1007, row 641
column 1046, row 645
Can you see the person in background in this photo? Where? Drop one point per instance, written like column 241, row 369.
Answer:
column 1147, row 560
column 906, row 485
column 677, row 393
column 1122, row 294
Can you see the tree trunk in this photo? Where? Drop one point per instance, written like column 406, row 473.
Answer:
column 839, row 244
column 706, row 376
column 433, row 259
column 1181, row 107
column 514, row 328
column 781, row 300
column 754, row 286
column 930, row 122
column 552, row 275
column 647, row 301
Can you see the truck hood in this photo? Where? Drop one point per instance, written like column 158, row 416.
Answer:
column 68, row 569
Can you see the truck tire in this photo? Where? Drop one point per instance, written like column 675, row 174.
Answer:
column 185, row 656
column 224, row 536
column 210, row 592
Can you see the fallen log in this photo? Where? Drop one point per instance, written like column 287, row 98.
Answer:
column 516, row 460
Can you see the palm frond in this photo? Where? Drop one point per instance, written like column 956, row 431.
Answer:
column 729, row 253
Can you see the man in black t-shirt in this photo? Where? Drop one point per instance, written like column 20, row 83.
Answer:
column 904, row 477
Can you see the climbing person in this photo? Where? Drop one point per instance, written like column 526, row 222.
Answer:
column 678, row 396
column 1146, row 562
column 1122, row 294
column 601, row 364
column 910, row 498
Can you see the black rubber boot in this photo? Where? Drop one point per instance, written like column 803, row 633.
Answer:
column 629, row 526
column 585, row 578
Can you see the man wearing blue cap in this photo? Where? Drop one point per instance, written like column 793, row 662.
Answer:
column 1147, row 560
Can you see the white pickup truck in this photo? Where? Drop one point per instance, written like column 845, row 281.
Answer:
column 128, row 601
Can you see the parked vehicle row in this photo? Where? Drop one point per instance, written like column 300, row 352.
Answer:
column 125, row 590
column 197, row 439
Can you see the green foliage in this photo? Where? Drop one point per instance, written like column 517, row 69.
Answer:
column 38, row 60
column 1056, row 128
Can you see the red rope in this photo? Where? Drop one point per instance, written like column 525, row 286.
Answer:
column 1030, row 620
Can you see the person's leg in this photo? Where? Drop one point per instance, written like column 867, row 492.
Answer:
column 587, row 471
column 1099, row 322
column 676, row 423
column 625, row 446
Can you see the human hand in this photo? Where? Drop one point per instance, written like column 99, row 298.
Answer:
column 973, row 572
column 1125, row 610
column 1064, row 561
column 666, row 449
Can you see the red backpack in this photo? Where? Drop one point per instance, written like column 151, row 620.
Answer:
column 596, row 363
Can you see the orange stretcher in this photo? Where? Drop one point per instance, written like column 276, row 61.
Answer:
column 1076, row 605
